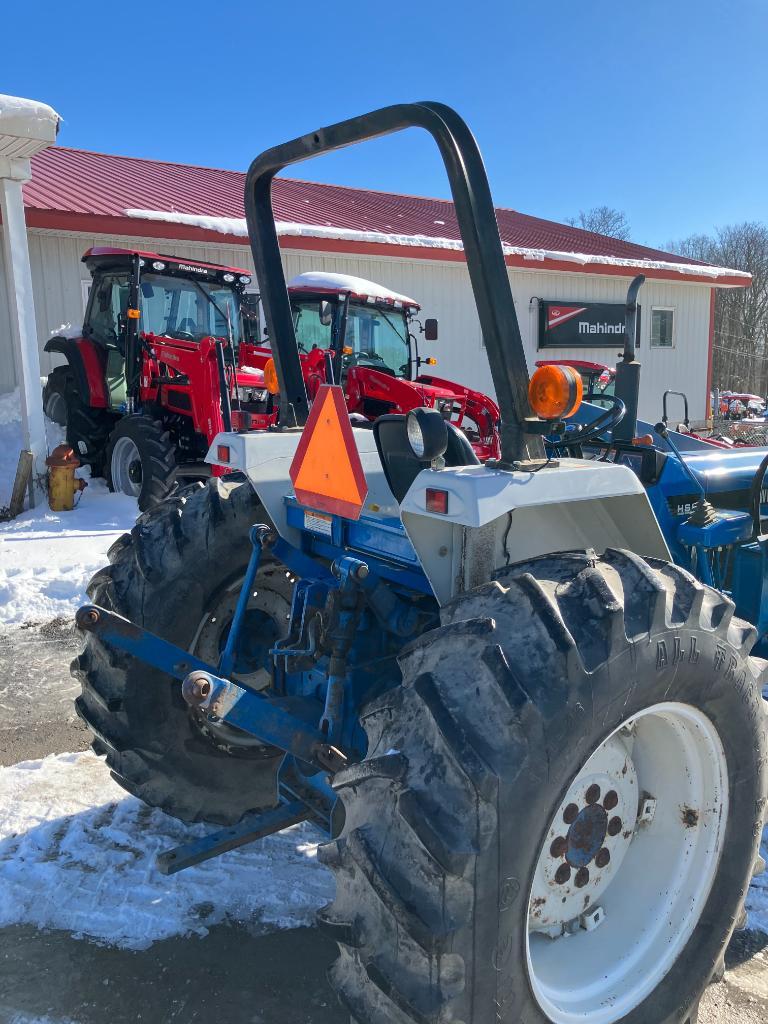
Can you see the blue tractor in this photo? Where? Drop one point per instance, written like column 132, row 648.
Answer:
column 710, row 502
column 536, row 745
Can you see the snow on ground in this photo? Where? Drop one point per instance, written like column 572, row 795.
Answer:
column 757, row 897
column 47, row 558
column 77, row 853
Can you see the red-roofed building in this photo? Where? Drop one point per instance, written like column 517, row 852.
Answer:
column 77, row 199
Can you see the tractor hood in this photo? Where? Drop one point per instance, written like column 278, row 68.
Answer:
column 249, row 377
column 725, row 470
column 725, row 476
column 406, row 394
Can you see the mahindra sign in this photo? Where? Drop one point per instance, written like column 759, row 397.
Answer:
column 583, row 324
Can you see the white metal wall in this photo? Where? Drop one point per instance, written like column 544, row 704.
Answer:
column 443, row 290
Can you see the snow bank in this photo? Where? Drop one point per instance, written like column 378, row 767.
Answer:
column 47, row 558
column 237, row 226
column 77, row 853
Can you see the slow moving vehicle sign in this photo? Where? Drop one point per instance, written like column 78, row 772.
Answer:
column 326, row 470
column 583, row 324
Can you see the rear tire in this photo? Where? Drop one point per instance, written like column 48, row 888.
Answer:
column 88, row 430
column 55, row 391
column 178, row 574
column 141, row 460
column 450, row 817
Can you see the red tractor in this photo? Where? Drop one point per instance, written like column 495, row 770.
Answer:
column 151, row 378
column 359, row 334
column 170, row 354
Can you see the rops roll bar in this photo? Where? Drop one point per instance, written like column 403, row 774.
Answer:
column 482, row 248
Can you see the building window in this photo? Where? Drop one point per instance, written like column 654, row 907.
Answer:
column 662, row 327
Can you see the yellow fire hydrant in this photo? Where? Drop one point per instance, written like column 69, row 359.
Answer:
column 62, row 484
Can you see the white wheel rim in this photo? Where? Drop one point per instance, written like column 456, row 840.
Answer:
column 124, row 455
column 598, row 946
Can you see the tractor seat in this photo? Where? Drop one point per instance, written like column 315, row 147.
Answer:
column 401, row 467
column 731, row 527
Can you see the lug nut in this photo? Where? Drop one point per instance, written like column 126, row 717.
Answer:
column 611, row 799
column 603, row 858
column 559, row 846
column 593, row 794
column 582, row 877
column 570, row 814
column 562, row 874
column 614, row 826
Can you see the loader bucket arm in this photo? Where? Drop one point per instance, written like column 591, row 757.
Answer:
column 482, row 248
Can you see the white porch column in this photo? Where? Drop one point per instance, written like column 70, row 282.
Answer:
column 18, row 274
column 26, row 127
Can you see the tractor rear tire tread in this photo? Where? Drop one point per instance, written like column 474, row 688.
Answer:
column 160, row 577
column 88, row 428
column 59, row 382
column 492, row 702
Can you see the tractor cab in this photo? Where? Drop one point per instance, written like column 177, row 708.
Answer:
column 361, row 322
column 177, row 300
column 362, row 335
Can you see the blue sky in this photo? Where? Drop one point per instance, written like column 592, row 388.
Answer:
column 657, row 108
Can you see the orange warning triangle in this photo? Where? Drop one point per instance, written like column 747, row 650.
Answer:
column 326, row 470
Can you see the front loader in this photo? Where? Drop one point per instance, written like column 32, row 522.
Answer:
column 536, row 747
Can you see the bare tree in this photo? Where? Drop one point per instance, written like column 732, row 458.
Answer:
column 740, row 358
column 603, row 220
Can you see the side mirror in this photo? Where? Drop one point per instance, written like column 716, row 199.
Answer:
column 430, row 329
column 326, row 313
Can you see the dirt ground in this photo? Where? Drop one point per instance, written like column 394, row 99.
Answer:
column 231, row 974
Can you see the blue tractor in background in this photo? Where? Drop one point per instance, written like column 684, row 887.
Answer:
column 709, row 501
column 535, row 745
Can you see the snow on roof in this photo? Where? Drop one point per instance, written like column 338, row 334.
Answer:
column 321, row 281
column 95, row 185
column 25, row 126
column 30, row 110
column 238, row 226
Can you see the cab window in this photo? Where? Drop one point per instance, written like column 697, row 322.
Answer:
column 108, row 303
column 310, row 331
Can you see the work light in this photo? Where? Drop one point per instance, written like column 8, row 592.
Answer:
column 427, row 434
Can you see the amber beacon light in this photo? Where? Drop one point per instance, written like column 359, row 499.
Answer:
column 271, row 383
column 555, row 392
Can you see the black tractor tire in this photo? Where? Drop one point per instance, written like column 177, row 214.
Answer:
column 55, row 391
column 178, row 574
column 468, row 763
column 88, row 431
column 152, row 476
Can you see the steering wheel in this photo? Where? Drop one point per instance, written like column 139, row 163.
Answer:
column 179, row 334
column 591, row 431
